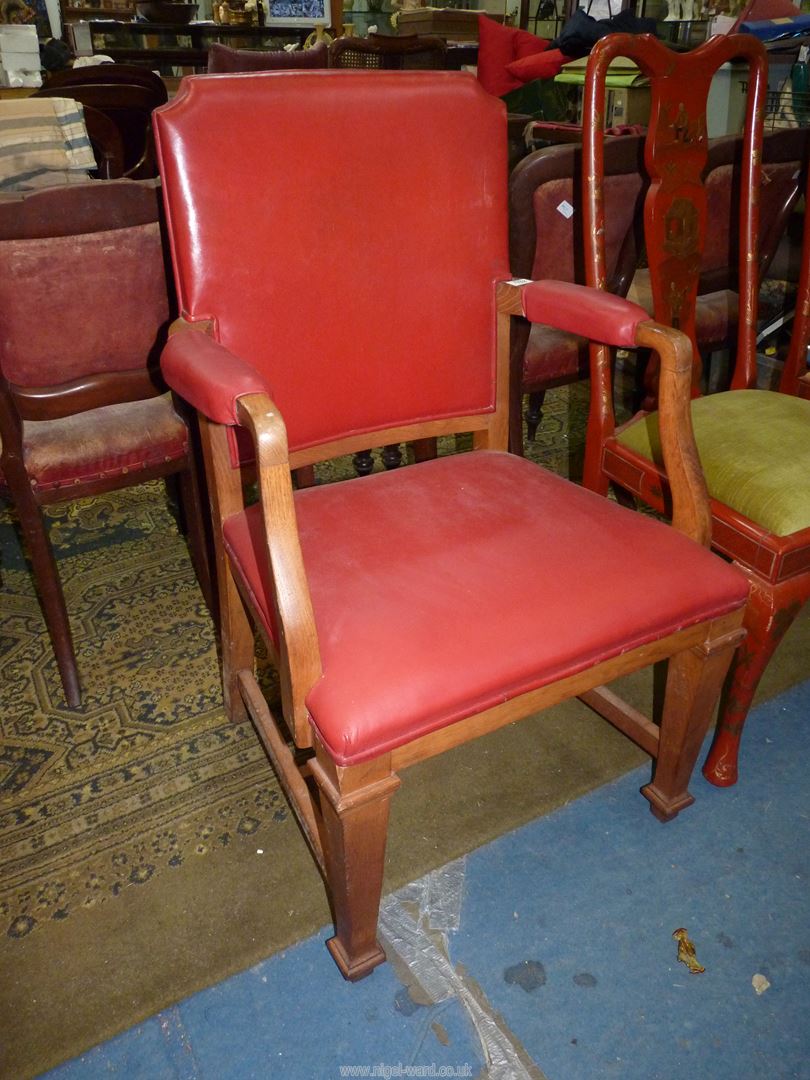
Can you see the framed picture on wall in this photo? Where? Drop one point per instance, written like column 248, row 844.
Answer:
column 298, row 13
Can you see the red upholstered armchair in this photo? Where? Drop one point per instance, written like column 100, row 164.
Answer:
column 84, row 310
column 411, row 610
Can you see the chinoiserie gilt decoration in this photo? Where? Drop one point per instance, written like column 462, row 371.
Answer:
column 754, row 444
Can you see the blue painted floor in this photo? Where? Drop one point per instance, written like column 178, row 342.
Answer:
column 549, row 953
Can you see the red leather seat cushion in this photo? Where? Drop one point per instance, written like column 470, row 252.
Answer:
column 103, row 442
column 442, row 589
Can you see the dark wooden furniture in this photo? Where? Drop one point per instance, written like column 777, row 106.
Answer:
column 545, row 241
column 754, row 444
column 162, row 46
column 132, row 74
column 130, row 107
column 84, row 310
column 108, row 146
column 389, row 53
column 413, row 610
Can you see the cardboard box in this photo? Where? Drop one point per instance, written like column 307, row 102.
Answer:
column 19, row 39
column 21, row 61
column 18, row 79
column 627, row 91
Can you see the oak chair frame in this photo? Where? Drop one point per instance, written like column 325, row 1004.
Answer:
column 343, row 809
column 345, row 822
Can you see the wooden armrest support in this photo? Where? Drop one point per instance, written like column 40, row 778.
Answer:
column 611, row 320
column 300, row 666
column 690, row 498
column 206, row 374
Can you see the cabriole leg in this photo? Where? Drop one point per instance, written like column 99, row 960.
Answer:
column 769, row 615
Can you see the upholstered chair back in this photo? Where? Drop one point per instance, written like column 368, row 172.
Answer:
column 402, row 306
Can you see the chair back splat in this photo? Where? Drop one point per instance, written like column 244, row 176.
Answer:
column 754, row 443
column 411, row 610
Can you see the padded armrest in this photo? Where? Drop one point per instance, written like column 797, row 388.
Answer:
column 591, row 313
column 207, row 375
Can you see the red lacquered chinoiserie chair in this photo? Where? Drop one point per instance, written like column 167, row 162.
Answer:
column 717, row 313
column 411, row 610
column 754, row 444
column 84, row 311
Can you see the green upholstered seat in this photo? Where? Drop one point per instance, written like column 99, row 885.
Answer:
column 755, row 450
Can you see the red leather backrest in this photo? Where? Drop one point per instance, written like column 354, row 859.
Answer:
column 343, row 230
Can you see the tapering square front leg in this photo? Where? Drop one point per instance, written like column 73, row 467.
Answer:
column 354, row 807
column 694, row 680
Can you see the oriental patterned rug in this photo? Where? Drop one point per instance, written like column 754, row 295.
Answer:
column 146, row 849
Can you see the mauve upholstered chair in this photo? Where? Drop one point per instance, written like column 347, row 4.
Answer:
column 84, row 312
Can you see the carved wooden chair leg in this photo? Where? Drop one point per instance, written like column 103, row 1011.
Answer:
column 237, row 642
column 534, row 413
column 305, row 476
column 424, row 449
column 197, row 536
column 516, row 429
column 354, row 826
column 693, row 684
column 392, row 456
column 363, row 462
column 49, row 588
column 769, row 615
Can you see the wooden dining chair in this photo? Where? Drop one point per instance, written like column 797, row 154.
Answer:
column 754, row 444
column 130, row 107
column 224, row 59
column 109, row 74
column 409, row 611
column 108, row 146
column 84, row 311
column 387, row 52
